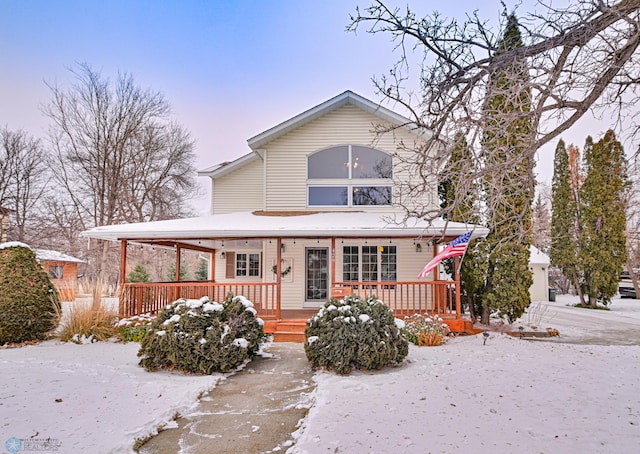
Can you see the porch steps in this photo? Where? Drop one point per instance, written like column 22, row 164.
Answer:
column 460, row 326
column 291, row 330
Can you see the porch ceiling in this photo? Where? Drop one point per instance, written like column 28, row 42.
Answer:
column 259, row 225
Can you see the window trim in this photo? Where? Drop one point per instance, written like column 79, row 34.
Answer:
column 379, row 262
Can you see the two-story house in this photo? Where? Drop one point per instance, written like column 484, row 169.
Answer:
column 310, row 212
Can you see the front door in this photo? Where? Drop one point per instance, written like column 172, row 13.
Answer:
column 317, row 276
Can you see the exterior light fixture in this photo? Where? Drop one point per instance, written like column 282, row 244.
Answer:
column 282, row 248
column 222, row 255
column 486, row 336
column 418, row 247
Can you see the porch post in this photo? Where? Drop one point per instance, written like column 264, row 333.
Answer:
column 278, row 277
column 212, row 266
column 333, row 262
column 178, row 254
column 456, row 273
column 123, row 276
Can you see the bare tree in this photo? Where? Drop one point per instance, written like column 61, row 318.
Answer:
column 23, row 179
column 117, row 155
column 578, row 58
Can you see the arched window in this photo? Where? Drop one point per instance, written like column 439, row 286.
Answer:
column 349, row 175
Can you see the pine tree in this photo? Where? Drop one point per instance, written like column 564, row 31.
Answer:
column 509, row 194
column 140, row 274
column 202, row 273
column 564, row 247
column 602, row 253
column 171, row 272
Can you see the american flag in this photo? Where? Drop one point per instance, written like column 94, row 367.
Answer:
column 455, row 249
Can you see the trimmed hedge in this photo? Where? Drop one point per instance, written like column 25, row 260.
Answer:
column 29, row 303
column 354, row 333
column 201, row 336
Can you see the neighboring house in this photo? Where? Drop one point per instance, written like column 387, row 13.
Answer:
column 4, row 224
column 539, row 263
column 310, row 212
column 62, row 270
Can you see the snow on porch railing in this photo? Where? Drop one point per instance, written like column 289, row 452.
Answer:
column 406, row 298
column 149, row 297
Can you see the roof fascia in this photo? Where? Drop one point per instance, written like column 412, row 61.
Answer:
column 222, row 170
column 345, row 98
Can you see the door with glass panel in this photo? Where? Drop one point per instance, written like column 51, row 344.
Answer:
column 317, row 275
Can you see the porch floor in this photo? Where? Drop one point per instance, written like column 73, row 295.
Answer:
column 291, row 327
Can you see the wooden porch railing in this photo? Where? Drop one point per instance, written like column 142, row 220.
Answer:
column 149, row 297
column 404, row 298
column 407, row 298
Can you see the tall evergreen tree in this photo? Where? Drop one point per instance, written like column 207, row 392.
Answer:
column 602, row 252
column 564, row 217
column 510, row 190
column 460, row 195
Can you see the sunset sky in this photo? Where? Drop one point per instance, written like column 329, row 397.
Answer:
column 229, row 69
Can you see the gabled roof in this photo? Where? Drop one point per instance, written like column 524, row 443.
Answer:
column 228, row 166
column 343, row 99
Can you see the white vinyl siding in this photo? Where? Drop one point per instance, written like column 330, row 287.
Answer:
column 286, row 157
column 242, row 190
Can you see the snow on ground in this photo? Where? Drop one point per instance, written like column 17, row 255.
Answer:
column 506, row 396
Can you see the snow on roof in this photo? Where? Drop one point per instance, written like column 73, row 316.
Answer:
column 55, row 256
column 538, row 257
column 292, row 225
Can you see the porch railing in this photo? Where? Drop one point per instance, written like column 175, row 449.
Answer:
column 407, row 298
column 149, row 297
column 404, row 298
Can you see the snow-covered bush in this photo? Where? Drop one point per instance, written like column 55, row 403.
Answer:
column 202, row 336
column 354, row 333
column 426, row 330
column 29, row 303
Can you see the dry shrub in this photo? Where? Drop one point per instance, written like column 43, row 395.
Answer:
column 425, row 330
column 86, row 324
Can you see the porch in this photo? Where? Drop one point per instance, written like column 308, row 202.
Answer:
column 404, row 298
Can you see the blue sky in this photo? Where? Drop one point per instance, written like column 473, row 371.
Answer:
column 229, row 69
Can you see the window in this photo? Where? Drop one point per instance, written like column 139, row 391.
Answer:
column 55, row 272
column 349, row 175
column 247, row 264
column 369, row 263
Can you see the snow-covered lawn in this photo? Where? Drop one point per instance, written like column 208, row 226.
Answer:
column 509, row 395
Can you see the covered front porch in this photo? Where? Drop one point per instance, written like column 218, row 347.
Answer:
column 288, row 266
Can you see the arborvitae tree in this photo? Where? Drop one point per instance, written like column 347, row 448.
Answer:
column 509, row 191
column 460, row 195
column 140, row 274
column 602, row 253
column 564, row 247
column 202, row 273
column 29, row 303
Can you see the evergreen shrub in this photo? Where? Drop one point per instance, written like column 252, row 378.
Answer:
column 29, row 303
column 354, row 333
column 203, row 336
column 426, row 330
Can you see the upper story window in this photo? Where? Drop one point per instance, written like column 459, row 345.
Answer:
column 349, row 175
